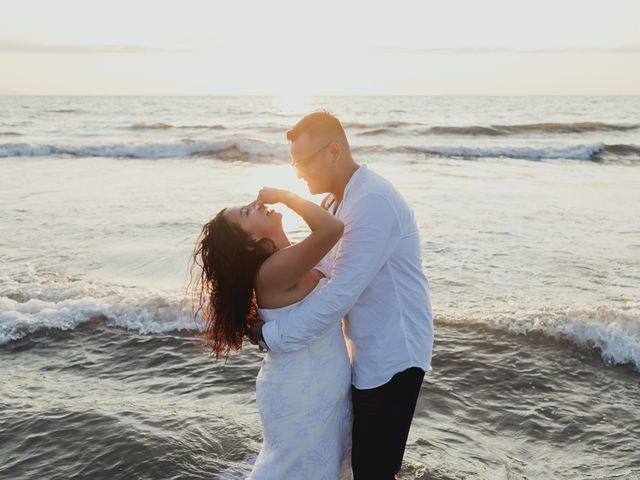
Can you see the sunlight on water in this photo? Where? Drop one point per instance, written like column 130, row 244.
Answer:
column 527, row 211
column 291, row 103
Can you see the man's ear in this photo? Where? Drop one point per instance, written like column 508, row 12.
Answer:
column 336, row 151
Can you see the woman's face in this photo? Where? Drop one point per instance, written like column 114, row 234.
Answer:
column 258, row 221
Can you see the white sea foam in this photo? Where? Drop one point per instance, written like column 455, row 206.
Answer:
column 615, row 333
column 146, row 313
column 32, row 301
column 48, row 301
column 243, row 147
column 250, row 148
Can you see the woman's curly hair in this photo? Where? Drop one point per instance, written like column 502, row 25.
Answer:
column 223, row 292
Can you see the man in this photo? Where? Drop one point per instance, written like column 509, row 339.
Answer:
column 376, row 281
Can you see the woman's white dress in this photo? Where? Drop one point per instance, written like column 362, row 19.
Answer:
column 304, row 400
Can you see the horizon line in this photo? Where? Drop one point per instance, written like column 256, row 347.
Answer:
column 20, row 94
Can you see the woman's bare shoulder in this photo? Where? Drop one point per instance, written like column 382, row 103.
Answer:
column 270, row 297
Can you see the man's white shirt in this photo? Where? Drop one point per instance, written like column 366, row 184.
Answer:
column 376, row 283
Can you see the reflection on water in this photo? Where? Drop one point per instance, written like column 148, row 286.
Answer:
column 534, row 267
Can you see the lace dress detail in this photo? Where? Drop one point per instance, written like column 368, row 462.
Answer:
column 304, row 400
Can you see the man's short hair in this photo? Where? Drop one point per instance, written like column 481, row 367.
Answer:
column 321, row 123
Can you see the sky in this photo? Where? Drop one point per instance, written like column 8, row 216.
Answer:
column 347, row 47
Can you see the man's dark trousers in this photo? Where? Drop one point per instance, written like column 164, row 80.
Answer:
column 381, row 421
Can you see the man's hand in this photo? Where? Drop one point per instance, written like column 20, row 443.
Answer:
column 254, row 330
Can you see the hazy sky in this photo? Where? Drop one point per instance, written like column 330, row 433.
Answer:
column 294, row 47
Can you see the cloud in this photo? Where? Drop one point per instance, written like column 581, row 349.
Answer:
column 630, row 49
column 9, row 45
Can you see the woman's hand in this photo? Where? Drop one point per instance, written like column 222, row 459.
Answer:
column 268, row 196
column 253, row 331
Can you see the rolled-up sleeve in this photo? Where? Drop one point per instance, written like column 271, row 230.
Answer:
column 372, row 233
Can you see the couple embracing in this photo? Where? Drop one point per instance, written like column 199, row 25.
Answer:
column 344, row 315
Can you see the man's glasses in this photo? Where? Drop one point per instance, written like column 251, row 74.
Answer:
column 305, row 162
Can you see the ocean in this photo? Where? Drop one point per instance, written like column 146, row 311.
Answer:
column 528, row 209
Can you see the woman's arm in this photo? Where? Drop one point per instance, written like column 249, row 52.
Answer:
column 287, row 266
column 373, row 234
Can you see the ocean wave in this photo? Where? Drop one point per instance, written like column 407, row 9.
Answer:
column 547, row 127
column 37, row 300
column 166, row 126
column 64, row 110
column 551, row 128
column 10, row 134
column 252, row 149
column 580, row 152
column 594, row 152
column 613, row 333
column 146, row 314
column 380, row 125
column 232, row 149
column 474, row 130
column 376, row 131
column 621, row 150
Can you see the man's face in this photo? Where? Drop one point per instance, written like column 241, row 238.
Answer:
column 314, row 160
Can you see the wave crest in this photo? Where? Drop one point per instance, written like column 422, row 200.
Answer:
column 597, row 152
column 150, row 313
column 252, row 149
column 34, row 300
column 546, row 127
column 246, row 149
column 614, row 333
column 166, row 126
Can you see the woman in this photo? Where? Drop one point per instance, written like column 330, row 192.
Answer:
column 250, row 269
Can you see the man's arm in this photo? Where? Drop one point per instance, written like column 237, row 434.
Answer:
column 372, row 232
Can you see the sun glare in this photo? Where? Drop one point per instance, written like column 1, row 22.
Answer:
column 279, row 176
column 292, row 104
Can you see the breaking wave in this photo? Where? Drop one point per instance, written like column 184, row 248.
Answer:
column 34, row 301
column 548, row 127
column 251, row 149
column 238, row 149
column 596, row 152
column 613, row 333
